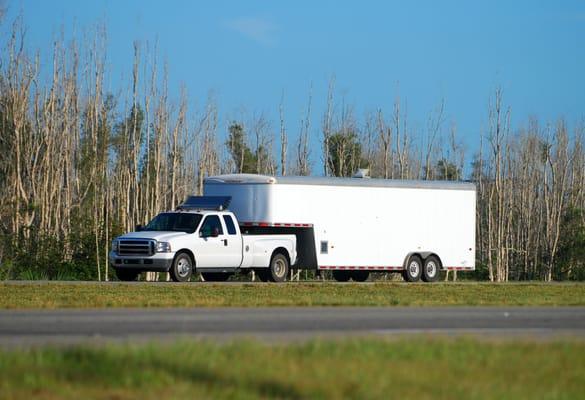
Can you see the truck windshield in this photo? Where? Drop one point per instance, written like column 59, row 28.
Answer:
column 179, row 222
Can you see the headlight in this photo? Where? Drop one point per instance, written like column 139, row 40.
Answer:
column 163, row 247
column 115, row 245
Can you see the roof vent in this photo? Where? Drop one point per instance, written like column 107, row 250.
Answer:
column 362, row 173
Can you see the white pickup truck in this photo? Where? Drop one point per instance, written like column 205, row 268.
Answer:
column 201, row 236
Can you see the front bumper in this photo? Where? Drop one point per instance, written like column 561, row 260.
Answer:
column 158, row 263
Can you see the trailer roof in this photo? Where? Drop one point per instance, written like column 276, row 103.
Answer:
column 253, row 179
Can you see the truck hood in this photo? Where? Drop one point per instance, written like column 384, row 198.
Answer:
column 160, row 236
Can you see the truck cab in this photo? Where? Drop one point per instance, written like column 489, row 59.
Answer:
column 197, row 238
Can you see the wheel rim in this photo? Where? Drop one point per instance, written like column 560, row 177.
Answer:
column 279, row 268
column 183, row 267
column 431, row 269
column 413, row 268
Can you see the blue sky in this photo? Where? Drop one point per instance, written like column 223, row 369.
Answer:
column 249, row 52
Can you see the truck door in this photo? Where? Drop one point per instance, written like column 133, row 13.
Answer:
column 232, row 243
column 210, row 246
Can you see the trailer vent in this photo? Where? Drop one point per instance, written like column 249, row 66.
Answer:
column 324, row 247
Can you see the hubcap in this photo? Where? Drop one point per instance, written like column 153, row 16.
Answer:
column 431, row 269
column 183, row 267
column 413, row 268
column 279, row 268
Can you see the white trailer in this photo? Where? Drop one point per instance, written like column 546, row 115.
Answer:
column 355, row 226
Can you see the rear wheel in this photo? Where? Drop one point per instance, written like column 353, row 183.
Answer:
column 278, row 269
column 216, row 276
column 341, row 276
column 413, row 269
column 430, row 271
column 182, row 268
column 127, row 276
column 360, row 276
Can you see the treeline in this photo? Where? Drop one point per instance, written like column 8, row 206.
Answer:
column 80, row 164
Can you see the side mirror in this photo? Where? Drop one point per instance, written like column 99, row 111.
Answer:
column 138, row 228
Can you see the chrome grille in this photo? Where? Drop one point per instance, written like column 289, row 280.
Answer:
column 136, row 247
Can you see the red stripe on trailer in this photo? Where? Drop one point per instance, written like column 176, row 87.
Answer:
column 277, row 224
column 361, row 267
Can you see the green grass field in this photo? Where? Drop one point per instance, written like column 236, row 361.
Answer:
column 358, row 368
column 98, row 295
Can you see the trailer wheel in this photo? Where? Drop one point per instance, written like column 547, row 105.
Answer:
column 360, row 276
column 413, row 269
column 278, row 269
column 430, row 271
column 182, row 268
column 216, row 276
column 340, row 276
column 127, row 276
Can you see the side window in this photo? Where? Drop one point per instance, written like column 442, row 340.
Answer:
column 229, row 224
column 210, row 225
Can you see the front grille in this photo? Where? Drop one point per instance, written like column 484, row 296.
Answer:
column 136, row 248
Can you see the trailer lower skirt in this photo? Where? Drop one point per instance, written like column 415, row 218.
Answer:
column 383, row 268
column 361, row 267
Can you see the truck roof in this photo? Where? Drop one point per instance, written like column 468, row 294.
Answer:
column 253, row 179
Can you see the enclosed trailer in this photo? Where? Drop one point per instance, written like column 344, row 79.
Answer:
column 360, row 224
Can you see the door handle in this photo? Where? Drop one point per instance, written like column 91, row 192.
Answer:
column 224, row 242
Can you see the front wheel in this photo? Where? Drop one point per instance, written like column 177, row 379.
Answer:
column 182, row 268
column 278, row 269
column 413, row 269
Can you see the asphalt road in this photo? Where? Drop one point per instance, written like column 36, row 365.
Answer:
column 29, row 328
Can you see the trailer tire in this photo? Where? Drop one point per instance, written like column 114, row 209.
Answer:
column 360, row 276
column 127, row 276
column 216, row 276
column 278, row 270
column 341, row 276
column 413, row 269
column 430, row 272
column 182, row 268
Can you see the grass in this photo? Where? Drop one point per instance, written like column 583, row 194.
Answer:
column 104, row 295
column 359, row 368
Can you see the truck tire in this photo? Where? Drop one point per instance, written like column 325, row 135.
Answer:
column 182, row 268
column 360, row 276
column 127, row 276
column 341, row 276
column 278, row 269
column 430, row 272
column 413, row 269
column 216, row 276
